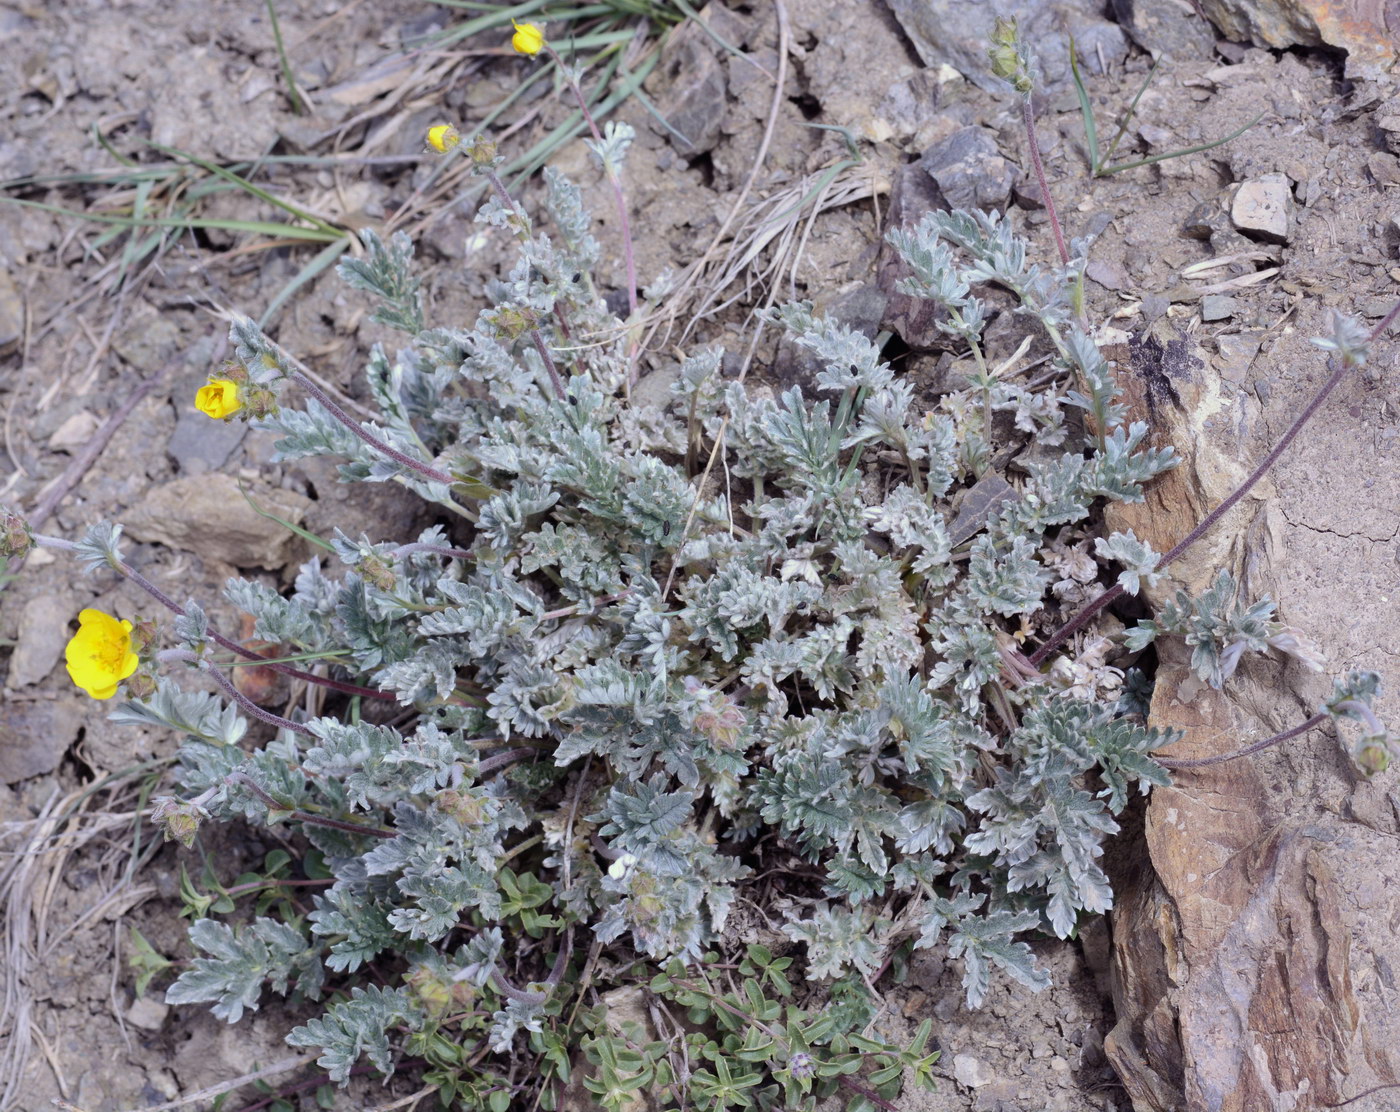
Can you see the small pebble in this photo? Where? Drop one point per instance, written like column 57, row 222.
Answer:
column 1263, row 208
column 968, row 1071
column 1215, row 307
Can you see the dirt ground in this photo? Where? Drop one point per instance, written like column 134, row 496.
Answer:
column 80, row 331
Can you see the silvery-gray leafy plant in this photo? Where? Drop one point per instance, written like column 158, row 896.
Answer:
column 653, row 651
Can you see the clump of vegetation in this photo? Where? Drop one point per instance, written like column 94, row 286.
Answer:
column 653, row 652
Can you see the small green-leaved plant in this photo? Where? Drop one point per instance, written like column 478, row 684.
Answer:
column 660, row 659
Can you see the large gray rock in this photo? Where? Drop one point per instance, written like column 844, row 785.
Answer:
column 1263, row 208
column 956, row 33
column 969, row 169
column 1164, row 28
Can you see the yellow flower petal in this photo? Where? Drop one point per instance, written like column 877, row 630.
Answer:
column 219, row 399
column 99, row 656
column 528, row 39
column 443, row 137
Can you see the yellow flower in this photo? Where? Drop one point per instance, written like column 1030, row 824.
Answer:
column 528, row 39
column 443, row 137
column 100, row 656
column 219, row 399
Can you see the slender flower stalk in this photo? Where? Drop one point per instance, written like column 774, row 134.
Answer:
column 1341, row 364
column 1174, row 762
column 1033, row 145
column 430, row 473
column 615, row 180
column 1011, row 61
column 503, row 195
column 233, row 693
column 214, row 635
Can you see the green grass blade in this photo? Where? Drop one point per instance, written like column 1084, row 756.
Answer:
column 248, row 187
column 1184, row 151
column 293, row 93
column 1091, row 132
column 719, row 40
column 489, row 22
column 324, row 258
column 106, row 146
column 253, row 227
column 305, row 534
column 1132, row 107
column 133, row 249
column 656, row 115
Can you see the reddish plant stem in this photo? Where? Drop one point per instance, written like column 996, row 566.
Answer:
column 430, row 473
column 248, row 654
column 1172, row 762
column 624, row 224
column 502, row 195
column 1340, row 368
column 233, row 693
column 1028, row 115
column 502, row 760
column 304, row 816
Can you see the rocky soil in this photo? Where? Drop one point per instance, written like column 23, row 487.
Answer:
column 1252, row 962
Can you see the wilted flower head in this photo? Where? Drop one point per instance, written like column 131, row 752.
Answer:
column 219, row 399
column 14, row 534
column 100, row 655
column 528, row 39
column 179, row 819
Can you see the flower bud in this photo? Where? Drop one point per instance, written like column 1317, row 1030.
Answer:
column 219, row 399
column 443, row 137
column 375, row 571
column 482, row 153
column 1372, row 757
column 1008, row 57
column 179, row 819
column 512, row 321
column 14, row 534
column 528, row 39
column 143, row 636
column 801, row 1066
column 141, row 685
column 466, row 809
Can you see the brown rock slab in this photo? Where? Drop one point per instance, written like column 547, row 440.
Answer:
column 208, row 515
column 1247, row 941
column 1368, row 30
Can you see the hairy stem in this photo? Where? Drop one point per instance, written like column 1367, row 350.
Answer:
column 1340, row 368
column 1028, row 116
column 624, row 224
column 233, row 693
column 304, row 816
column 503, row 195
column 333, row 408
column 1172, row 762
column 217, row 637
